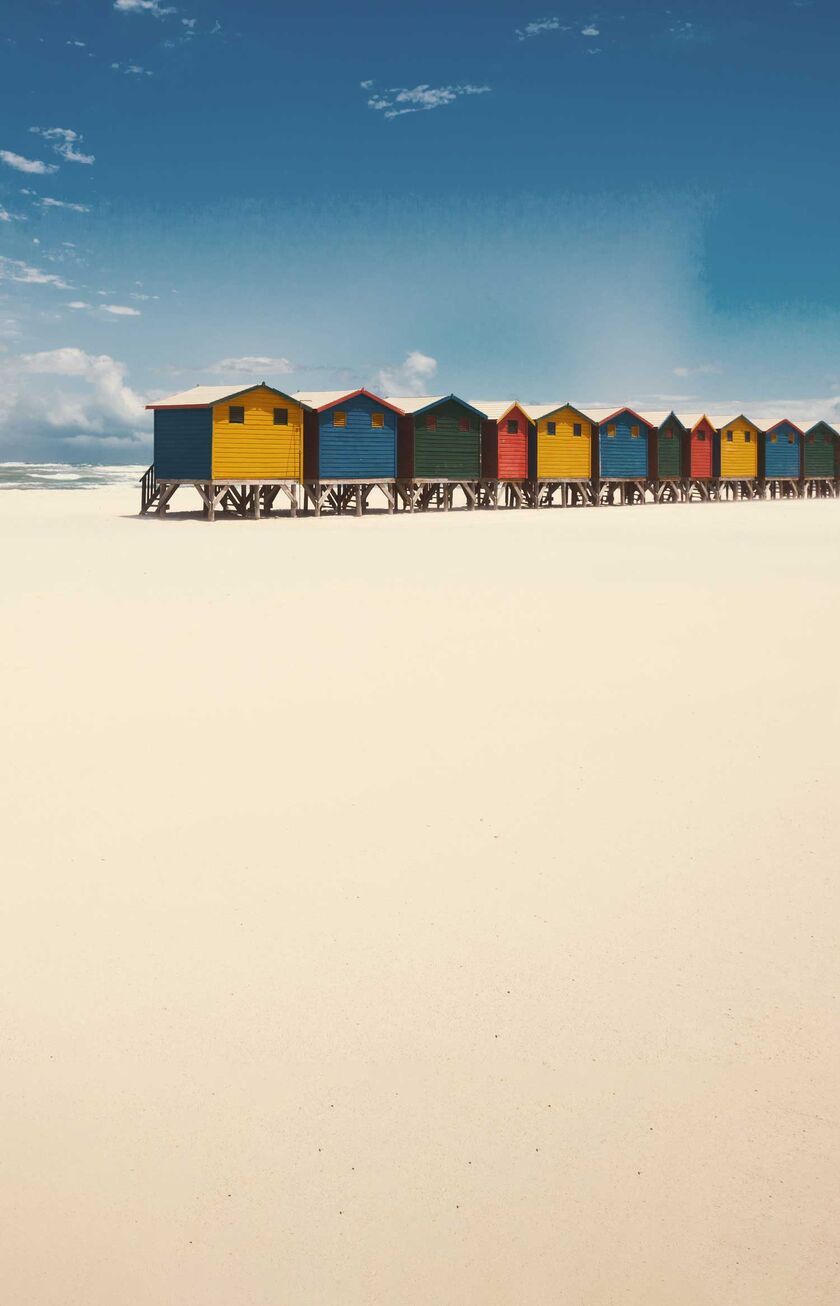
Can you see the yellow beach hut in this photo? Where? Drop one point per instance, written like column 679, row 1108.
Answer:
column 221, row 437
column 738, row 439
column 563, row 453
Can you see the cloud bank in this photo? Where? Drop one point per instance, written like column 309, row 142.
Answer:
column 81, row 402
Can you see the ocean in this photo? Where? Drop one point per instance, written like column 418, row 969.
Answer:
column 65, row 476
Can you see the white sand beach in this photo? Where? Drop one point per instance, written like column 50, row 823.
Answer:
column 423, row 910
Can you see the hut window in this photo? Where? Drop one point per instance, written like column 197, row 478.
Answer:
column 747, row 437
column 827, row 438
column 669, row 435
column 773, row 437
column 634, row 432
column 701, row 436
column 730, row 436
column 377, row 420
column 551, row 427
column 463, row 424
column 577, row 429
column 340, row 419
column 512, row 426
column 610, row 432
column 791, row 438
column 811, row 439
column 281, row 417
column 236, row 413
column 431, row 422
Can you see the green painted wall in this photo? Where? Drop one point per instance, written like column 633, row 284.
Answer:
column 448, row 453
column 670, row 452
column 819, row 456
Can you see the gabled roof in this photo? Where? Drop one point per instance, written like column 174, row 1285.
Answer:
column 419, row 403
column 602, row 415
column 774, row 422
column 721, row 422
column 808, row 426
column 691, row 420
column 498, row 409
column 204, row 396
column 659, row 419
column 321, row 400
column 539, row 411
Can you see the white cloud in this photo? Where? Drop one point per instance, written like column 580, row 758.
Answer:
column 78, row 303
column 591, row 30
column 6, row 216
column 49, row 203
column 250, row 364
column 399, row 100
column 27, row 165
column 366, row 85
column 64, row 142
column 189, row 23
column 411, row 377
column 79, row 397
column 143, row 7
column 538, row 26
column 120, row 310
column 702, row 369
column 132, row 69
column 13, row 269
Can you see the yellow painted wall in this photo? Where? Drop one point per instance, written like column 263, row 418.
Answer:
column 257, row 449
column 739, row 460
column 564, row 455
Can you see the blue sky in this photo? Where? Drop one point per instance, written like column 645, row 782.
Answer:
column 608, row 203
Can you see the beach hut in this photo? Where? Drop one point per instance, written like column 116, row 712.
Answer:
column 349, row 449
column 438, row 450
column 737, row 456
column 239, row 446
column 780, row 458
column 505, row 448
column 699, row 455
column 667, row 456
column 562, row 462
column 820, row 460
column 624, row 439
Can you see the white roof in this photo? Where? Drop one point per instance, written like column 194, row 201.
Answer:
column 538, row 411
column 729, row 420
column 656, row 419
column 767, row 423
column 413, row 403
column 810, row 422
column 690, row 420
column 319, row 398
column 496, row 409
column 324, row 398
column 600, row 415
column 201, row 396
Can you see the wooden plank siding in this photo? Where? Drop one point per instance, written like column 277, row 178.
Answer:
column 624, row 456
column 257, row 449
column 563, row 455
column 183, row 444
column 701, row 450
column 447, row 443
column 739, row 450
column 504, row 452
column 782, row 452
column 669, row 450
column 820, row 456
column 357, row 450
